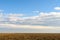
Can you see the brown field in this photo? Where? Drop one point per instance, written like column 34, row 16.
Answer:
column 29, row 36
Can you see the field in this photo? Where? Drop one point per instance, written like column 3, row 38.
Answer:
column 29, row 36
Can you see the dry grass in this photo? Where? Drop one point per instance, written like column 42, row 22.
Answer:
column 29, row 36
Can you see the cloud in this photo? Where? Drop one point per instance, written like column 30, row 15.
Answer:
column 15, row 15
column 36, row 11
column 1, row 10
column 57, row 8
column 11, row 28
column 43, row 20
column 5, row 25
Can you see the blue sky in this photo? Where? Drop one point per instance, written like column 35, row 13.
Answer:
column 28, row 6
column 36, row 16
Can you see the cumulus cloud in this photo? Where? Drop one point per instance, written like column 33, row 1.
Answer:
column 57, row 8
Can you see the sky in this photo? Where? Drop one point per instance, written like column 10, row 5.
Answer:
column 29, row 16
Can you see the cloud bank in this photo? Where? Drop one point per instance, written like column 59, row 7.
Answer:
column 43, row 21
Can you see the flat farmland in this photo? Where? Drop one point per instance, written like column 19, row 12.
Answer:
column 29, row 36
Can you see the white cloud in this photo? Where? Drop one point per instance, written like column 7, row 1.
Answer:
column 43, row 20
column 15, row 14
column 26, row 26
column 57, row 8
column 36, row 11
column 1, row 10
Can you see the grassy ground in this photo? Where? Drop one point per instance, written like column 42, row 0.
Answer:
column 29, row 36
